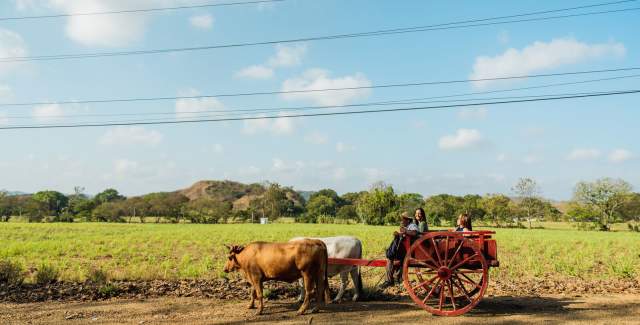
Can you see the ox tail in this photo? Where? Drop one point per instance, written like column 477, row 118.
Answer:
column 360, row 286
column 326, row 278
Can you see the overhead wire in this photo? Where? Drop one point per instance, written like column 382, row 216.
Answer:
column 421, row 100
column 382, row 32
column 280, row 116
column 141, row 10
column 393, row 85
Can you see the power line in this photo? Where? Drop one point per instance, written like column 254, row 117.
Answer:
column 613, row 93
column 395, row 85
column 421, row 100
column 444, row 26
column 145, row 10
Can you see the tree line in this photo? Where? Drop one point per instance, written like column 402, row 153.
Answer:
column 594, row 205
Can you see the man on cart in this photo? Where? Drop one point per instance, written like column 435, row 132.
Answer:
column 397, row 251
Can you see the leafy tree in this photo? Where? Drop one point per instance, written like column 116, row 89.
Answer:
column 606, row 195
column 528, row 191
column 108, row 195
column 321, row 205
column 327, row 192
column 498, row 208
column 109, row 212
column 168, row 205
column 351, row 198
column 442, row 207
column 373, row 206
column 50, row 203
column 347, row 212
column 409, row 202
column 136, row 207
column 207, row 210
column 5, row 207
column 471, row 204
column 79, row 203
column 630, row 209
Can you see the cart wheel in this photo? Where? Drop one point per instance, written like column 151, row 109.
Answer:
column 445, row 273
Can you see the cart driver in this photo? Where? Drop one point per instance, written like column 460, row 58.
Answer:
column 396, row 251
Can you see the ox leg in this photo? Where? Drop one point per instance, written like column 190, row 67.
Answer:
column 308, row 288
column 344, row 281
column 357, row 282
column 258, row 292
column 301, row 295
column 252, row 302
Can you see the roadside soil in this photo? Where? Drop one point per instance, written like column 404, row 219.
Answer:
column 592, row 309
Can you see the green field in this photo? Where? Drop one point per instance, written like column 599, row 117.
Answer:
column 166, row 251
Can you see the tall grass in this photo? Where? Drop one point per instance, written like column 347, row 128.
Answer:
column 189, row 251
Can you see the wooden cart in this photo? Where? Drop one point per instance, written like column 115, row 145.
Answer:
column 446, row 273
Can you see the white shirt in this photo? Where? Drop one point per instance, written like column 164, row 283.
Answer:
column 412, row 227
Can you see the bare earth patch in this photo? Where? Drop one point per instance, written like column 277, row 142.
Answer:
column 619, row 309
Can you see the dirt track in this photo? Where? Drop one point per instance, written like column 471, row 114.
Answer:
column 619, row 309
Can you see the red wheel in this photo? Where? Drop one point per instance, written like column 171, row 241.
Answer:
column 445, row 273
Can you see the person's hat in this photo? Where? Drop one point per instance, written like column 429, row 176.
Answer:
column 404, row 215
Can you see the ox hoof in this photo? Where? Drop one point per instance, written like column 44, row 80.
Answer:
column 355, row 298
column 251, row 307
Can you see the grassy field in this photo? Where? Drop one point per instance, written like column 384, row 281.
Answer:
column 164, row 251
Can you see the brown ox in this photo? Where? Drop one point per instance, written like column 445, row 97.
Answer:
column 261, row 261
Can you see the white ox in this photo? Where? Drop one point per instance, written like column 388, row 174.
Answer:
column 341, row 247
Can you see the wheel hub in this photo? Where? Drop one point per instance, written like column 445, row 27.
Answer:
column 444, row 273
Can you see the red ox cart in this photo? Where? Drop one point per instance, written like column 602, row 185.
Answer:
column 446, row 273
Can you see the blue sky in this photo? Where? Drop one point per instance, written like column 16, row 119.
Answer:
column 459, row 151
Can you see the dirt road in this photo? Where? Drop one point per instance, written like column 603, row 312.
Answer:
column 618, row 309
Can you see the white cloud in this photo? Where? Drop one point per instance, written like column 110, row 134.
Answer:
column 320, row 79
column 255, row 72
column 498, row 178
column 464, row 138
column 343, row 147
column 280, row 166
column 218, row 148
column 583, row 154
column 187, row 107
column 124, row 166
column 104, row 30
column 287, row 56
column 373, row 174
column 620, row 155
column 531, row 159
column 4, row 118
column 473, row 113
column 316, row 138
column 128, row 135
column 278, row 126
column 11, row 45
column 501, row 157
column 541, row 56
column 204, row 21
column 47, row 112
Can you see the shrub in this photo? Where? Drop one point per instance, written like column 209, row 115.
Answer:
column 108, row 290
column 323, row 218
column 11, row 273
column 46, row 274
column 97, row 276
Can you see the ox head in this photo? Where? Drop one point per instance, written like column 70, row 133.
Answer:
column 232, row 262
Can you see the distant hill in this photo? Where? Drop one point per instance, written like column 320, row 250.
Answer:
column 14, row 193
column 239, row 194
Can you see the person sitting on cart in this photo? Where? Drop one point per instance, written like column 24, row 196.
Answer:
column 420, row 219
column 464, row 223
column 396, row 250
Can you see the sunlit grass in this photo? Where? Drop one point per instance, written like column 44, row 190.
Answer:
column 188, row 251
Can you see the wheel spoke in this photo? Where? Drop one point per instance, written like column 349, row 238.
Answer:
column 460, row 287
column 429, row 256
column 453, row 303
column 423, row 263
column 464, row 261
column 441, row 302
column 431, row 291
column 421, row 285
column 436, row 248
column 453, row 257
column 470, row 271
column 446, row 251
column 468, row 280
